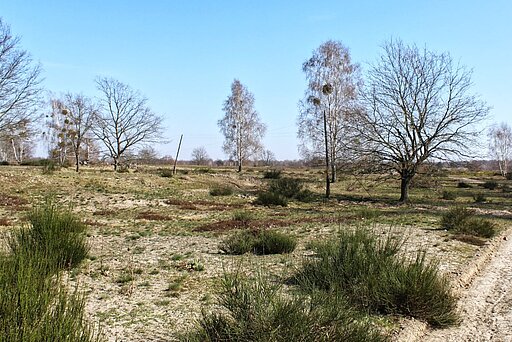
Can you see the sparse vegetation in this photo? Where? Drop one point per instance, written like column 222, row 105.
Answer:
column 463, row 221
column 449, row 195
column 268, row 198
column 221, row 190
column 464, row 185
column 491, row 185
column 259, row 242
column 272, row 174
column 258, row 310
column 374, row 277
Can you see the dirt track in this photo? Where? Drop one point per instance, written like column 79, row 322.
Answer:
column 486, row 307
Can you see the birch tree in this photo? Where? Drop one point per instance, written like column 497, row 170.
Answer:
column 329, row 101
column 19, row 82
column 241, row 125
column 124, row 119
column 500, row 146
column 419, row 106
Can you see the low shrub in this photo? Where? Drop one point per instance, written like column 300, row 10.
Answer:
column 305, row 196
column 268, row 198
column 287, row 187
column 34, row 305
column 242, row 216
column 166, row 173
column 221, row 190
column 491, row 185
column 375, row 278
column 461, row 220
column 479, row 198
column 449, row 195
column 49, row 166
column 464, row 185
column 259, row 242
column 508, row 175
column 272, row 174
column 273, row 242
column 4, row 163
column 257, row 310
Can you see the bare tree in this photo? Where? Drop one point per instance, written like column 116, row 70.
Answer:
column 16, row 141
column 76, row 117
column 418, row 107
column 200, row 156
column 19, row 81
column 500, row 146
column 147, row 155
column 329, row 101
column 124, row 119
column 241, row 125
column 268, row 157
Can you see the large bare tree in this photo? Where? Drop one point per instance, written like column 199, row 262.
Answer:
column 75, row 115
column 200, row 155
column 419, row 106
column 17, row 141
column 19, row 81
column 241, row 125
column 329, row 101
column 124, row 119
column 500, row 146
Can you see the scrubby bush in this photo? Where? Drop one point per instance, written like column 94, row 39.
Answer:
column 463, row 221
column 449, row 195
column 49, row 166
column 479, row 198
column 34, row 305
column 287, row 187
column 268, row 198
column 272, row 174
column 508, row 176
column 257, row 310
column 221, row 190
column 374, row 277
column 166, row 173
column 491, row 185
column 56, row 234
column 258, row 242
column 464, row 185
column 243, row 216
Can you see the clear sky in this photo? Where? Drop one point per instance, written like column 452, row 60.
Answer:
column 183, row 55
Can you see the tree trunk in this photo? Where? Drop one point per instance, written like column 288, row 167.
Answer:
column 404, row 188
column 240, row 166
column 333, row 172
column 77, row 161
column 327, row 180
column 115, row 164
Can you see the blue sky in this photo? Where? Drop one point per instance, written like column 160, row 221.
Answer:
column 183, row 55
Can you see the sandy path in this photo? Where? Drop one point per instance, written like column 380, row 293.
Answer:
column 486, row 307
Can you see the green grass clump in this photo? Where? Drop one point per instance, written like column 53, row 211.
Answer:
column 244, row 217
column 479, row 198
column 221, row 190
column 287, row 187
column 272, row 174
column 259, row 242
column 448, row 195
column 491, row 185
column 166, row 173
column 257, row 310
column 375, row 278
column 463, row 185
column 463, row 221
column 270, row 198
column 34, row 305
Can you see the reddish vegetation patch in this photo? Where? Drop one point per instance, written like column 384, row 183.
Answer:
column 150, row 216
column 104, row 212
column 4, row 222
column 13, row 202
column 207, row 205
column 226, row 225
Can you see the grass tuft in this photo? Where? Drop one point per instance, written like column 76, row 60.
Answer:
column 259, row 242
column 461, row 220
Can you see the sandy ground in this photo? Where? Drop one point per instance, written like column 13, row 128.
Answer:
column 486, row 306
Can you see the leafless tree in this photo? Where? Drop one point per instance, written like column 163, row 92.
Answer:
column 74, row 117
column 16, row 141
column 500, row 146
column 200, row 156
column 241, row 125
column 418, row 107
column 147, row 155
column 124, row 119
column 19, row 81
column 329, row 101
column 268, row 157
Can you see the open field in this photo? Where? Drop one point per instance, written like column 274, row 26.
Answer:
column 155, row 259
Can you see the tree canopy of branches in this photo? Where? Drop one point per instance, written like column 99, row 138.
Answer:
column 329, row 101
column 19, row 82
column 418, row 107
column 500, row 146
column 16, row 141
column 124, row 119
column 73, row 118
column 241, row 125
column 200, row 156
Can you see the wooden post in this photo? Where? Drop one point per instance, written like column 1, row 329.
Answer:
column 177, row 154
